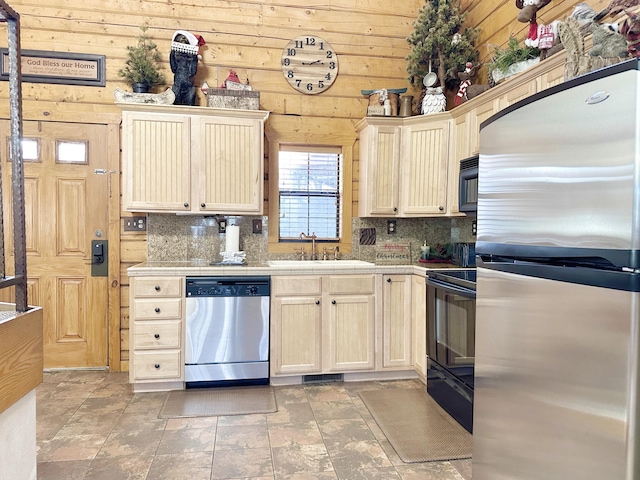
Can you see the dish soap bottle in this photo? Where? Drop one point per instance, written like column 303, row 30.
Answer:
column 424, row 251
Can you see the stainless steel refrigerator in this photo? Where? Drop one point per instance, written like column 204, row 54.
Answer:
column 558, row 245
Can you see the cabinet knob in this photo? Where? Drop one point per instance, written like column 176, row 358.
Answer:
column 317, row 302
column 157, row 365
column 157, row 309
column 388, row 280
column 186, row 205
column 395, row 209
column 157, row 335
column 333, row 302
column 157, row 288
column 203, row 205
column 441, row 208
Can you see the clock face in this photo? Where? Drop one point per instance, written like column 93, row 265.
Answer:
column 309, row 64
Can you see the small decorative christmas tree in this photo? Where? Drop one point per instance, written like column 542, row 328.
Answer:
column 143, row 64
column 439, row 37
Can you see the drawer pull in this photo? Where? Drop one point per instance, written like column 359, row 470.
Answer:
column 317, row 302
column 333, row 302
column 157, row 365
column 157, row 288
column 157, row 309
column 157, row 335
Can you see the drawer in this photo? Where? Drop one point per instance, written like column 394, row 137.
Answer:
column 296, row 285
column 160, row 334
column 157, row 308
column 154, row 365
column 157, row 286
column 351, row 284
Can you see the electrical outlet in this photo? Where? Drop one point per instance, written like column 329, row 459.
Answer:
column 222, row 225
column 391, row 226
column 135, row 224
column 257, row 225
column 474, row 227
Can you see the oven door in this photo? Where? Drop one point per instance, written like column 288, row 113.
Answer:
column 451, row 328
column 451, row 315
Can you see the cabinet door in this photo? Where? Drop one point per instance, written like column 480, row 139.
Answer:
column 478, row 115
column 296, row 339
column 350, row 334
column 419, row 321
column 379, row 157
column 396, row 321
column 156, row 168
column 423, row 169
column 230, row 165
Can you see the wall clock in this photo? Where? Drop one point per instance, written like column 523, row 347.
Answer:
column 309, row 64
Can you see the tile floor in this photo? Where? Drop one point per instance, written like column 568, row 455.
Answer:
column 90, row 426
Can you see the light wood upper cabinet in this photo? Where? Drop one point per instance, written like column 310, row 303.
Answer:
column 380, row 168
column 423, row 169
column 403, row 166
column 192, row 159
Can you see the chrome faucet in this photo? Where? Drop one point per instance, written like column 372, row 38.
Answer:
column 313, row 237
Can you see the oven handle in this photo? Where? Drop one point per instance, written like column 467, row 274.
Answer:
column 465, row 292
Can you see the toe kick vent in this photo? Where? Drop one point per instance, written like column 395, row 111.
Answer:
column 328, row 377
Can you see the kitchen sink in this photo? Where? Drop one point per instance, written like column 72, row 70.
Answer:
column 319, row 263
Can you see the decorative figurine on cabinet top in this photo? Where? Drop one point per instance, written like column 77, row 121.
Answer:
column 183, row 60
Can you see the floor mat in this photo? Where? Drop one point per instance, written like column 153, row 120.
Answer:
column 416, row 426
column 211, row 402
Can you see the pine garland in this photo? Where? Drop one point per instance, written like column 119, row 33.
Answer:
column 432, row 39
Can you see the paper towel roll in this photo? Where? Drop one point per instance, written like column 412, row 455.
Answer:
column 233, row 239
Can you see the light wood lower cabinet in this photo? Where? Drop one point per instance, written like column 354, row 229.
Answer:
column 156, row 331
column 322, row 324
column 419, row 323
column 396, row 321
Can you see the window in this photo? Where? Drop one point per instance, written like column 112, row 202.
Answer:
column 310, row 187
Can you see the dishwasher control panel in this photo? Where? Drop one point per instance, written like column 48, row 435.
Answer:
column 228, row 286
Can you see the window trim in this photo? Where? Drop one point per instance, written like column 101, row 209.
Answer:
column 288, row 246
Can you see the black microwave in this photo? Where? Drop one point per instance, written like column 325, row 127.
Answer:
column 468, row 185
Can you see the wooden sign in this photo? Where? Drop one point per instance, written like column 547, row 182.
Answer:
column 394, row 253
column 57, row 67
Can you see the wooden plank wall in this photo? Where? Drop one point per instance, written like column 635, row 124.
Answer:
column 498, row 20
column 248, row 36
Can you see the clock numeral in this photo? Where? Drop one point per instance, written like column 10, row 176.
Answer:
column 332, row 65
column 290, row 74
column 321, row 45
column 298, row 82
column 299, row 44
column 310, row 87
column 321, row 84
column 311, row 41
column 291, row 52
column 329, row 54
column 286, row 62
column 328, row 76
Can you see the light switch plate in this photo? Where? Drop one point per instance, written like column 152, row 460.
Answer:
column 135, row 224
column 257, row 225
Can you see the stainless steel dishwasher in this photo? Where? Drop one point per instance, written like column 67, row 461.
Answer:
column 227, row 330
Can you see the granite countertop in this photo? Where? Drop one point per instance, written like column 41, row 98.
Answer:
column 290, row 268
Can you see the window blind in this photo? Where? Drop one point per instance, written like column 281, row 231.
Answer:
column 309, row 192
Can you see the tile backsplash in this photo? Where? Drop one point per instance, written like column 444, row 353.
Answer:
column 196, row 238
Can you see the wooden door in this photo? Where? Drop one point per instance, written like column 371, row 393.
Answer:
column 66, row 207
